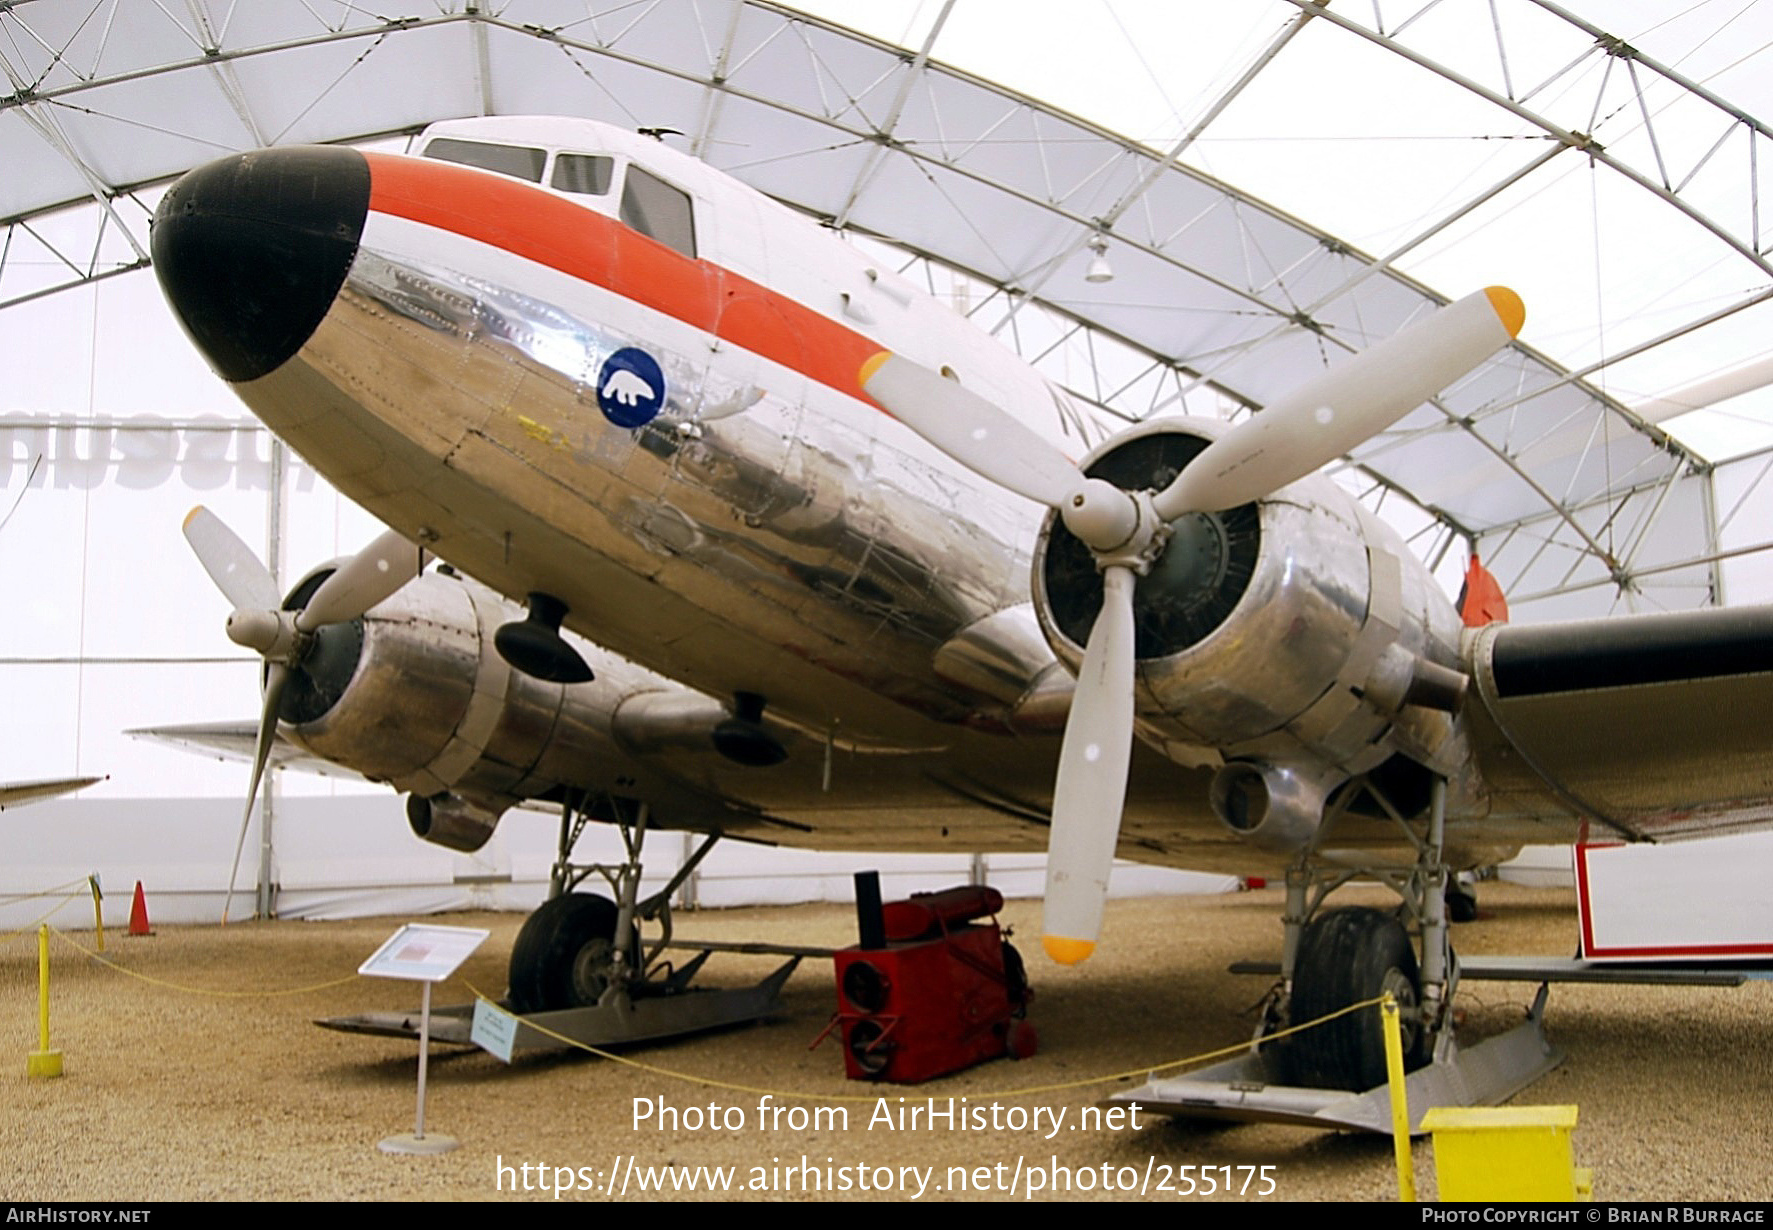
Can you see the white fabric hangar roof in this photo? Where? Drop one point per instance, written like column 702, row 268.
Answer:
column 1447, row 145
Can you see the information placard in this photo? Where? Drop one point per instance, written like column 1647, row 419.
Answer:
column 423, row 952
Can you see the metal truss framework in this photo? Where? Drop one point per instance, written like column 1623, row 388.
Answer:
column 996, row 199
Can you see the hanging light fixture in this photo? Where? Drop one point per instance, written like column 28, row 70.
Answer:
column 1100, row 270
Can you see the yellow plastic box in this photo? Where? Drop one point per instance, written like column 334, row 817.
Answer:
column 1487, row 1153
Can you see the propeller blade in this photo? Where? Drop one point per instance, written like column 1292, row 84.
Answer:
column 276, row 676
column 970, row 429
column 230, row 563
column 1351, row 402
column 368, row 577
column 1092, row 785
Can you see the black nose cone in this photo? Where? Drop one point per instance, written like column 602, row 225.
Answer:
column 252, row 249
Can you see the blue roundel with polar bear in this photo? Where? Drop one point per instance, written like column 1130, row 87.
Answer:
column 630, row 388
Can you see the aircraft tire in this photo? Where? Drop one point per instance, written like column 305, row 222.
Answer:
column 562, row 954
column 1347, row 956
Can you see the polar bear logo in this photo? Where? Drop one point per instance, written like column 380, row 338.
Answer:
column 630, row 388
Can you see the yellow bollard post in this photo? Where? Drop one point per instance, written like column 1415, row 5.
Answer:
column 1400, row 1103
column 43, row 1062
column 98, row 914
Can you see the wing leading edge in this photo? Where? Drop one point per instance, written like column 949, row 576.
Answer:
column 1655, row 725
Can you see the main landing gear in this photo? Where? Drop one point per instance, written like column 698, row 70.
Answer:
column 1334, row 959
column 580, row 973
column 1333, row 1074
column 578, row 949
column 1346, row 957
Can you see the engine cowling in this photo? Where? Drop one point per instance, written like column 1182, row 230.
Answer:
column 414, row 694
column 1296, row 634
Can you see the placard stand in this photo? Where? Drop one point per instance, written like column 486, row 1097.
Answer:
column 421, row 952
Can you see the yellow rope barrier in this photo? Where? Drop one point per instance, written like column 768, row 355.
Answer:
column 1400, row 1104
column 1026, row 1091
column 44, row 1063
column 42, row 918
column 174, row 986
column 691, row 1078
column 9, row 898
column 98, row 913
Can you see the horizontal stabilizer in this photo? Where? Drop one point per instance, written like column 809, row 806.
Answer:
column 237, row 741
column 12, row 793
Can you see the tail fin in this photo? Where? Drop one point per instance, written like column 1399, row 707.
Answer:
column 1480, row 598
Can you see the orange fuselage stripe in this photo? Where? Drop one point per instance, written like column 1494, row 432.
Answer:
column 537, row 225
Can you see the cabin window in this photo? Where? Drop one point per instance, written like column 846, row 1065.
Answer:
column 589, row 174
column 517, row 161
column 653, row 207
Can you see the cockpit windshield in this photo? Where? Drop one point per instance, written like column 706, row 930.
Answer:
column 653, row 207
column 647, row 203
column 587, row 174
column 517, row 161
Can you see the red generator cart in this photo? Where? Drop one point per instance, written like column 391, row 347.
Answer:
column 932, row 988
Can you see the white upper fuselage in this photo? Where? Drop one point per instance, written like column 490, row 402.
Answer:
column 743, row 232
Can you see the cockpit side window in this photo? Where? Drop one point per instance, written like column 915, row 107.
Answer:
column 653, row 207
column 517, row 161
column 588, row 174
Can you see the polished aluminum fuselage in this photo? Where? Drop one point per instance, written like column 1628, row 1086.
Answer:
column 773, row 531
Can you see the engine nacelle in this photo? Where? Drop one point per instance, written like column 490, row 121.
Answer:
column 450, row 820
column 1294, row 631
column 415, row 694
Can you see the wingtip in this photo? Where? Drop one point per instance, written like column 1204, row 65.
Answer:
column 1509, row 308
column 1067, row 951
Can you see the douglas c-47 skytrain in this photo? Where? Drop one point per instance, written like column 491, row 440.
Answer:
column 876, row 584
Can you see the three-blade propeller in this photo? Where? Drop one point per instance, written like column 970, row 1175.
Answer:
column 1127, row 530
column 282, row 637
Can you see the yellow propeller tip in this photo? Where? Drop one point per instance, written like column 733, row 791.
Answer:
column 190, row 515
column 1509, row 308
column 1067, row 952
column 873, row 365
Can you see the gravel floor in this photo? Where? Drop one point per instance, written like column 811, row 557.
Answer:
column 231, row 1093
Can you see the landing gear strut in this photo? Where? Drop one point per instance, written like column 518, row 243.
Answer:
column 580, row 950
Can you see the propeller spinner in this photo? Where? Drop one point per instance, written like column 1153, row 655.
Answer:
column 284, row 638
column 1128, row 530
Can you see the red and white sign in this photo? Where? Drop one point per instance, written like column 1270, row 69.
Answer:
column 1687, row 901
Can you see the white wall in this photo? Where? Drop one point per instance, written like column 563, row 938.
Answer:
column 352, row 855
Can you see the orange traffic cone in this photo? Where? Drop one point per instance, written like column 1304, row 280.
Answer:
column 138, row 912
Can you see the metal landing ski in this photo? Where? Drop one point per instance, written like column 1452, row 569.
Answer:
column 1240, row 1090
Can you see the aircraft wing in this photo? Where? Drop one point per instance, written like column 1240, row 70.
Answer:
column 13, row 793
column 1657, row 726
column 690, row 803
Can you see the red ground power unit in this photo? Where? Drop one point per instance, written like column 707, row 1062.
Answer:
column 931, row 988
